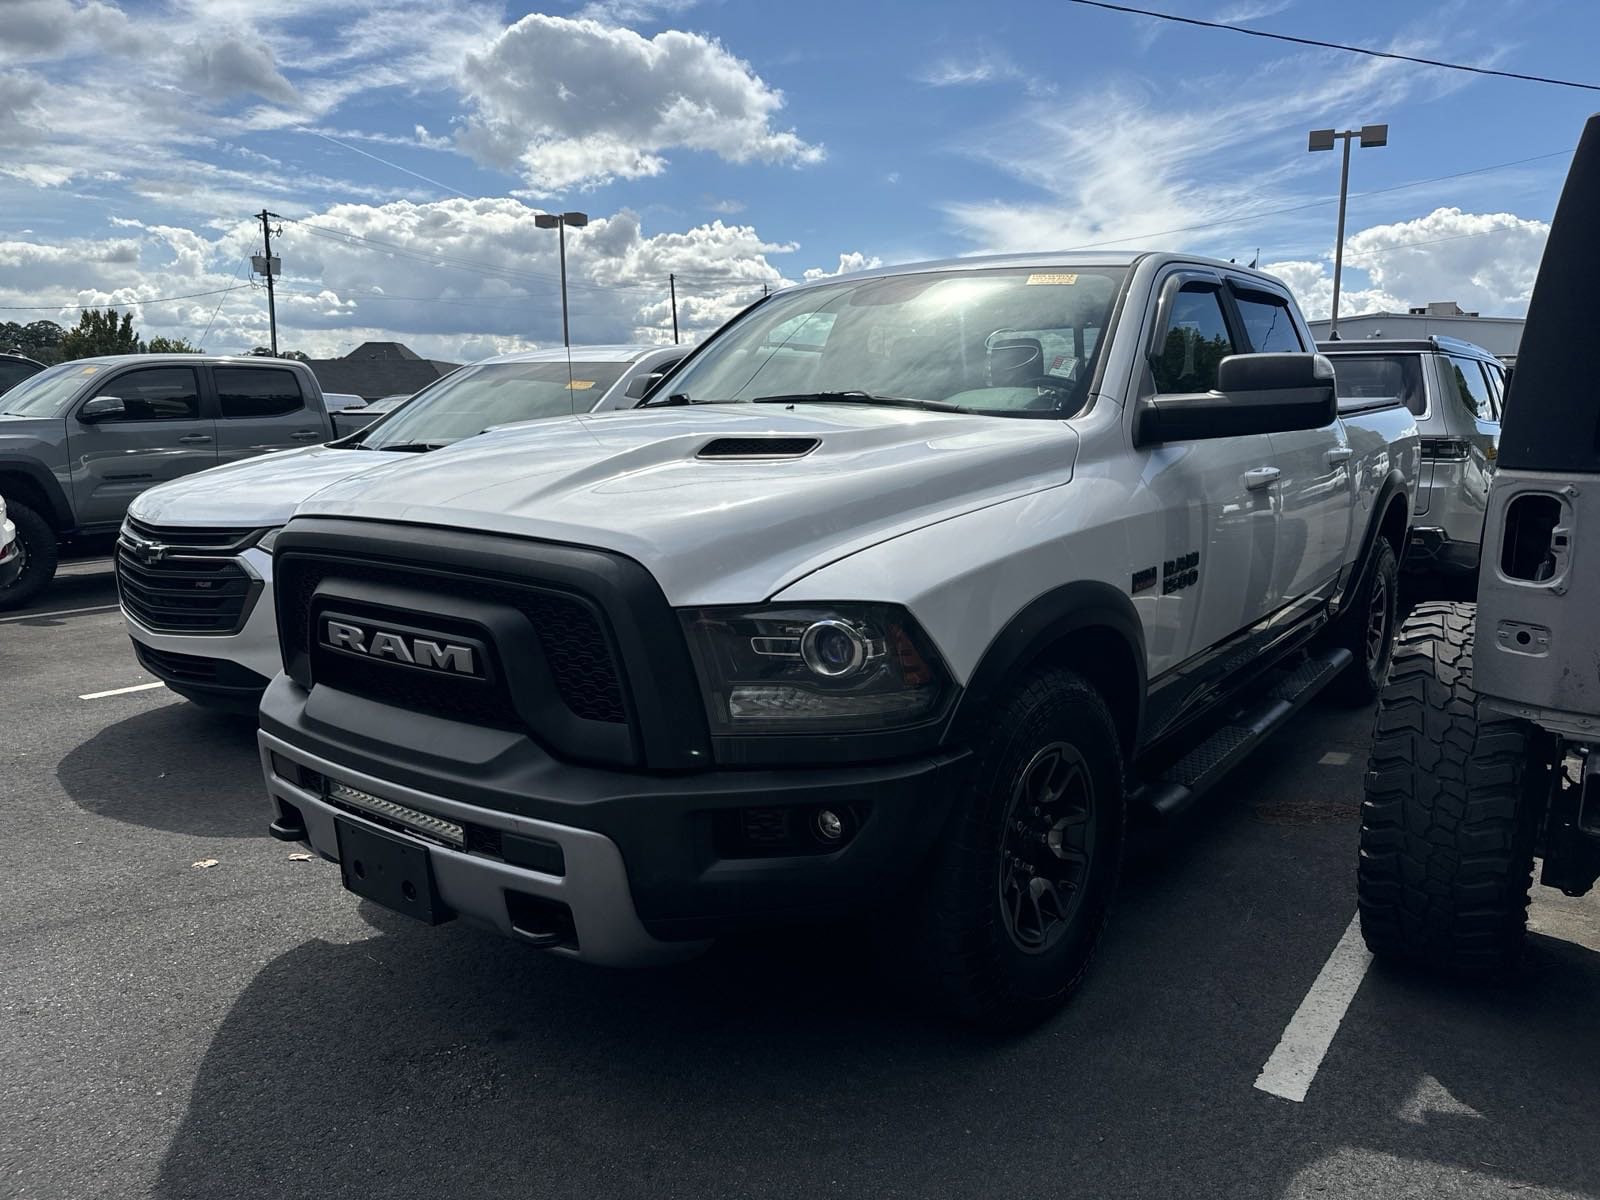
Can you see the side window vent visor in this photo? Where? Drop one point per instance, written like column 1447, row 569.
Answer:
column 759, row 447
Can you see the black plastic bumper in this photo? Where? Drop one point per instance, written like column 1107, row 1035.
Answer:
column 211, row 682
column 692, row 867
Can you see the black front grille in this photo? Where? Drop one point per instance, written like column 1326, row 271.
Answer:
column 186, row 592
column 574, row 641
column 193, row 538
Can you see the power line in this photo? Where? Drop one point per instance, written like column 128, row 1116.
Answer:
column 1305, row 41
column 121, row 303
column 201, row 341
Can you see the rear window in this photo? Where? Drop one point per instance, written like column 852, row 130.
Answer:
column 258, row 392
column 1367, row 380
column 12, row 372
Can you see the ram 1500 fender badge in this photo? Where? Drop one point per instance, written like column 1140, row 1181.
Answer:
column 405, row 649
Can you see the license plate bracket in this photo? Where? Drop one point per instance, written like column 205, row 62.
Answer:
column 392, row 871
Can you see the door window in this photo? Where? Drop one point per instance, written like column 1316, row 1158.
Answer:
column 258, row 392
column 1195, row 340
column 155, row 394
column 1497, row 388
column 1268, row 323
column 1470, row 385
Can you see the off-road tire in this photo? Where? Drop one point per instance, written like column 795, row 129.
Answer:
column 38, row 542
column 1454, row 796
column 965, row 948
column 1378, row 599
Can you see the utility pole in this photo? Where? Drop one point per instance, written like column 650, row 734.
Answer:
column 266, row 264
column 672, row 282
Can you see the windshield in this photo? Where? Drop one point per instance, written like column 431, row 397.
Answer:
column 1012, row 342
column 48, row 393
column 1361, row 379
column 468, row 401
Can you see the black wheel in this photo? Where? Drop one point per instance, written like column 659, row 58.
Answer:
column 36, row 542
column 1454, row 796
column 1367, row 629
column 1020, row 886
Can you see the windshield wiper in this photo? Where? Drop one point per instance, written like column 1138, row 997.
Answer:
column 858, row 397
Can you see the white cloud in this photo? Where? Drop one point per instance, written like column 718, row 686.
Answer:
column 853, row 260
column 454, row 278
column 576, row 103
column 1131, row 163
column 1486, row 262
column 1245, row 11
column 987, row 66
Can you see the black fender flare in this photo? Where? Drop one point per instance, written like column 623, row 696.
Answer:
column 1394, row 484
column 1030, row 635
column 60, row 512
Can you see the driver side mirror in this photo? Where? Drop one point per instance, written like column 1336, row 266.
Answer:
column 639, row 388
column 1255, row 393
column 102, row 408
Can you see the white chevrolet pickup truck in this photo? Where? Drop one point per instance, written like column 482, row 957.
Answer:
column 903, row 596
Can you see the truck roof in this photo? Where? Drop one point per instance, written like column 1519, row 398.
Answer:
column 1410, row 345
column 117, row 360
column 1045, row 258
column 618, row 352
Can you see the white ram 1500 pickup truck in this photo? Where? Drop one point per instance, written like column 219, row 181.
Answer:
column 905, row 594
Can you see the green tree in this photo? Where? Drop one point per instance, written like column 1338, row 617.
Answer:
column 266, row 352
column 37, row 339
column 166, row 345
column 101, row 332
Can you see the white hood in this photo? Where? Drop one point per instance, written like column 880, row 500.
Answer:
column 252, row 494
column 717, row 531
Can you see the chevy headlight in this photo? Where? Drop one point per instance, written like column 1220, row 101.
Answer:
column 814, row 668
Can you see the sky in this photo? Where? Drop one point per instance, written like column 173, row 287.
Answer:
column 405, row 147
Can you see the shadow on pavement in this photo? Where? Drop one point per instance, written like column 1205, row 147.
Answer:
column 178, row 767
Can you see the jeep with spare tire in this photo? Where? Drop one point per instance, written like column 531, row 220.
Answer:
column 902, row 595
column 1484, row 750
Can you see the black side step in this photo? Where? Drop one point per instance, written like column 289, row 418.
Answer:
column 1193, row 775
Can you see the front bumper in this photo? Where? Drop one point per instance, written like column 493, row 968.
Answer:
column 227, row 671
column 650, row 874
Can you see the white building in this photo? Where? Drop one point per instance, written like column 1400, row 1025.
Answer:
column 1500, row 336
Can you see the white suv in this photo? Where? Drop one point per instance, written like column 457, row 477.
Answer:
column 198, row 551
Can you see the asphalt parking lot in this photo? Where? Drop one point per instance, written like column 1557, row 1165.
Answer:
column 248, row 1029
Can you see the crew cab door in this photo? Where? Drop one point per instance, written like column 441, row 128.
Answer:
column 1217, row 497
column 263, row 408
column 1315, row 494
column 160, row 434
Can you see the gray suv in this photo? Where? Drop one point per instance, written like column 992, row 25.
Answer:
column 80, row 440
column 1457, row 391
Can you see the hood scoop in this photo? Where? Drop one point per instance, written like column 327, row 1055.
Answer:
column 759, row 447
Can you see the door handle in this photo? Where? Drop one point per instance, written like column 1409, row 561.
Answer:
column 194, row 439
column 1339, row 454
column 1261, row 477
column 306, row 435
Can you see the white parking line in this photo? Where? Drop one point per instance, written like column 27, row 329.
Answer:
column 1293, row 1064
column 61, row 612
column 138, row 687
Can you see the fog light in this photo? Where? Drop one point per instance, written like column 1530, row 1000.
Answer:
column 830, row 826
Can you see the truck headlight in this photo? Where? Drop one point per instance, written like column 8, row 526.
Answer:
column 268, row 539
column 814, row 668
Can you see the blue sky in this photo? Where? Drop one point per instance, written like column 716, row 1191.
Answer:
column 409, row 144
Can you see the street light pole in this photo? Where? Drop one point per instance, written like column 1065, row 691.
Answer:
column 1323, row 139
column 559, row 222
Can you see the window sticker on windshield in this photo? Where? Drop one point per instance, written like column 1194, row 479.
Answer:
column 580, row 385
column 1049, row 278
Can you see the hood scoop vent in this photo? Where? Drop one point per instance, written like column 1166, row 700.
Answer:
column 759, row 447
